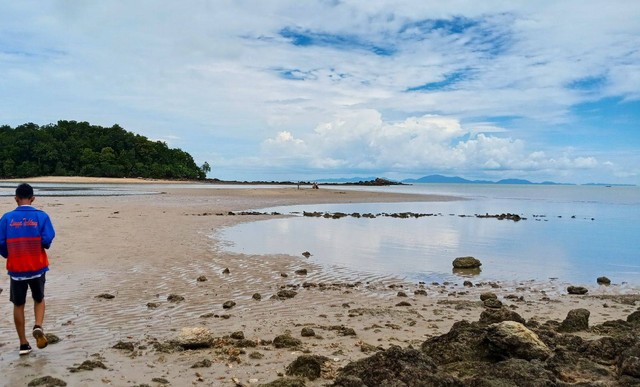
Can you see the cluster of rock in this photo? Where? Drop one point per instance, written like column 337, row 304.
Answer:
column 500, row 349
column 403, row 215
column 339, row 215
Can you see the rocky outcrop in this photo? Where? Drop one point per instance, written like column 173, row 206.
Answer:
column 509, row 353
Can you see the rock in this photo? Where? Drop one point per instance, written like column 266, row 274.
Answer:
column 467, row 284
column 244, row 343
column 603, row 281
column 307, row 332
column 487, row 295
column 286, row 341
column 47, row 381
column 307, row 366
column 492, row 303
column 51, row 338
column 576, row 320
column 403, row 303
column 393, row 367
column 285, row 382
column 492, row 316
column 256, row 296
column 512, row 372
column 368, row 348
column 226, row 271
column 88, row 365
column 194, row 338
column 606, row 350
column 420, row 292
column 204, row 363
column 124, row 345
column 306, row 254
column 402, row 294
column 175, row 298
column 284, row 275
column 286, row 293
column 466, row 263
column 465, row 342
column 343, row 331
column 577, row 290
column 570, row 366
column 237, row 335
column 512, row 339
column 301, row 272
column 629, row 362
column 106, row 296
column 634, row 317
column 202, row 278
column 228, row 304
column 152, row 305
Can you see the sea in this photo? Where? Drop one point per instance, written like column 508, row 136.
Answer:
column 567, row 233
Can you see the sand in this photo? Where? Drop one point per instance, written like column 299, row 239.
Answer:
column 142, row 249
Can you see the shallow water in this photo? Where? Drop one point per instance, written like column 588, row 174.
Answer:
column 573, row 233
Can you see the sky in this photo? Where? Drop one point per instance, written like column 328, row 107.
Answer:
column 316, row 89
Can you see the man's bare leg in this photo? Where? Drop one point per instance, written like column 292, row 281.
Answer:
column 38, row 333
column 18, row 319
column 38, row 311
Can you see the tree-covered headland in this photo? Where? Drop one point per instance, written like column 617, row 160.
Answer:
column 70, row 148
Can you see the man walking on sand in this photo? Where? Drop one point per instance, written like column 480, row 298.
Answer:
column 25, row 233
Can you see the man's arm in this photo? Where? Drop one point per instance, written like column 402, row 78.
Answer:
column 3, row 237
column 48, row 233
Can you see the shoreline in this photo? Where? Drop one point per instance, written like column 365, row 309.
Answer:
column 142, row 180
column 144, row 249
column 94, row 180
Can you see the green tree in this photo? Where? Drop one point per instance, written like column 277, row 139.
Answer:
column 79, row 148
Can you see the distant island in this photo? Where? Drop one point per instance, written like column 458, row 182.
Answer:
column 460, row 180
column 70, row 148
column 440, row 179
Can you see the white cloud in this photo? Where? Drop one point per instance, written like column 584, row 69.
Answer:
column 223, row 72
column 363, row 141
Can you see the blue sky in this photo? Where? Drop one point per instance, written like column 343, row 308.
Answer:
column 284, row 89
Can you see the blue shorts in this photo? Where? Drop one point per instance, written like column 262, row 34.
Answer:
column 18, row 290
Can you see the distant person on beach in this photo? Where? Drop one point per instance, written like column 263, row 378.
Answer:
column 25, row 233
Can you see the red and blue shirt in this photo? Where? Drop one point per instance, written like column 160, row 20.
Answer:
column 25, row 233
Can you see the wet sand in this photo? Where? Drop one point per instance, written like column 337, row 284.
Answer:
column 142, row 249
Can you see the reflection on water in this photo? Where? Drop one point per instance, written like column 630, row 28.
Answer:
column 571, row 238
